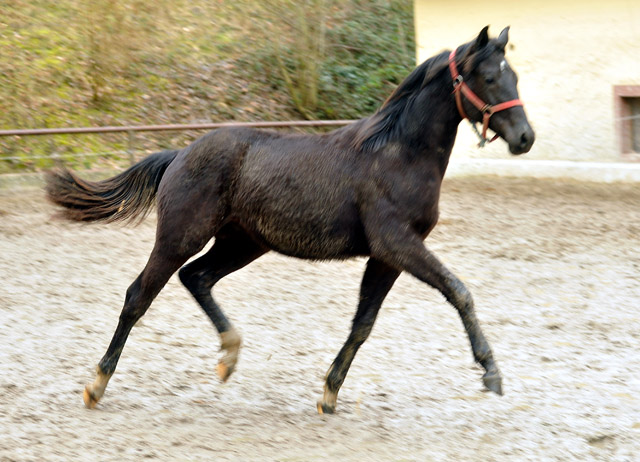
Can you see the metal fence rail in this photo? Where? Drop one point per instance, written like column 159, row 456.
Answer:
column 171, row 127
column 131, row 130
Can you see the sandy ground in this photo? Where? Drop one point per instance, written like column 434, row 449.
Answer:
column 554, row 269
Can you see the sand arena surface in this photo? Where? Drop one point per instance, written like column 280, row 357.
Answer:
column 554, row 269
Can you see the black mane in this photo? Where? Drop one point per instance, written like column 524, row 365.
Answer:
column 378, row 129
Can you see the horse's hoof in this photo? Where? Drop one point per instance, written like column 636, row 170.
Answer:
column 493, row 382
column 230, row 345
column 325, row 408
column 224, row 371
column 90, row 401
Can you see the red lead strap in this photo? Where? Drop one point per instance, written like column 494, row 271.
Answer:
column 461, row 88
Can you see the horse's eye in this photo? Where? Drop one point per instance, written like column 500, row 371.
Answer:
column 490, row 80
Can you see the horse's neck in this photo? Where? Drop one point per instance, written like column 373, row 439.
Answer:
column 433, row 123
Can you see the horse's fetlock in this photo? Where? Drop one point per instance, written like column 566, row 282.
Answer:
column 334, row 379
column 230, row 340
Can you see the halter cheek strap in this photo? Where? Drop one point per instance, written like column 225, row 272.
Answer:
column 461, row 88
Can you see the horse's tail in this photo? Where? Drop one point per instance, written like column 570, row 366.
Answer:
column 125, row 197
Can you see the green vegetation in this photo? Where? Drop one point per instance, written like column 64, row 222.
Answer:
column 118, row 62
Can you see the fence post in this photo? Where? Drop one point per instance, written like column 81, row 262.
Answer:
column 131, row 135
column 54, row 154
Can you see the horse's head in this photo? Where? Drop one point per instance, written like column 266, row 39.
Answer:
column 486, row 90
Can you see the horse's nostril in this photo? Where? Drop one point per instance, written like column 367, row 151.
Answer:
column 526, row 140
column 523, row 141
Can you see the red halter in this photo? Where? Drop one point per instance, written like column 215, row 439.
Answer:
column 461, row 88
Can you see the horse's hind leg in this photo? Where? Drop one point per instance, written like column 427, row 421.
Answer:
column 138, row 298
column 377, row 281
column 232, row 250
column 177, row 239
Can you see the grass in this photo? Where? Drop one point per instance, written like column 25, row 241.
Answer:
column 114, row 62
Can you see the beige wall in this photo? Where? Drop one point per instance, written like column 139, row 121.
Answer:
column 568, row 55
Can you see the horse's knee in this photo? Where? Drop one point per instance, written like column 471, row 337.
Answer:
column 465, row 298
column 460, row 297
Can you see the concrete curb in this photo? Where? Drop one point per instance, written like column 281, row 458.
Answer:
column 601, row 172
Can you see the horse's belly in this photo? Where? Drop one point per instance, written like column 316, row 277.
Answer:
column 299, row 207
column 307, row 236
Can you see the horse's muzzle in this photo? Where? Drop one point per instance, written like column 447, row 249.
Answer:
column 521, row 141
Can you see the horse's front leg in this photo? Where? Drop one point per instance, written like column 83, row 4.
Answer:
column 397, row 244
column 377, row 281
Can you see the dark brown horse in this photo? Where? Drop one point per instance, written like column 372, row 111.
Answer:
column 368, row 189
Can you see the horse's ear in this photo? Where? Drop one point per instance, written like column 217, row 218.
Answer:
column 503, row 38
column 482, row 40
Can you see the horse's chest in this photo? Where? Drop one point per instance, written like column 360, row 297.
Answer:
column 419, row 206
column 426, row 223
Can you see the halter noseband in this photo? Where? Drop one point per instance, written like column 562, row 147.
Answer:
column 461, row 88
